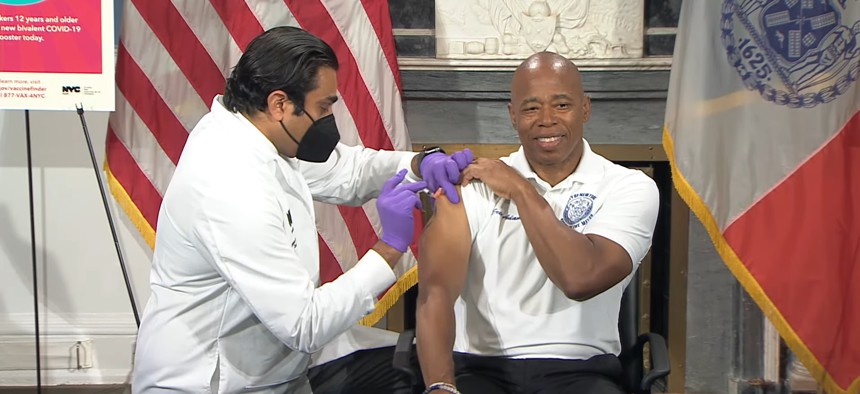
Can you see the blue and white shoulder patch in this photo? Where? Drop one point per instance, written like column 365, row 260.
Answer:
column 579, row 210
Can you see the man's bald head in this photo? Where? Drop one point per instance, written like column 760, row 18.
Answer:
column 548, row 109
column 543, row 62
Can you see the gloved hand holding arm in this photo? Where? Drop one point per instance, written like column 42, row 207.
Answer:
column 440, row 170
column 396, row 204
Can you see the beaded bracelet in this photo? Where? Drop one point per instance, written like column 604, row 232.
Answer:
column 442, row 386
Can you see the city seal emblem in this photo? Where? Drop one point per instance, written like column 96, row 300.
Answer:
column 578, row 210
column 797, row 53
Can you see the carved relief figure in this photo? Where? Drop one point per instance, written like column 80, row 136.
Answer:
column 518, row 28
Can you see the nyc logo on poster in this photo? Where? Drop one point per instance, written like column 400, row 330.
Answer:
column 55, row 54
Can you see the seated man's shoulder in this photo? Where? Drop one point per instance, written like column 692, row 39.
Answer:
column 477, row 192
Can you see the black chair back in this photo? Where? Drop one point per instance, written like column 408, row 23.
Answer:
column 628, row 331
column 628, row 315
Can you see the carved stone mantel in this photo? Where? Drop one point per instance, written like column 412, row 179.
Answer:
column 515, row 29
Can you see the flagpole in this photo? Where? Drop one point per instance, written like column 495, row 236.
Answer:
column 33, row 252
column 80, row 110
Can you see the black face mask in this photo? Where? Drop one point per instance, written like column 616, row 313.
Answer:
column 319, row 141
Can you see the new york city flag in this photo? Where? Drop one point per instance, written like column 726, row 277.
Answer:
column 763, row 134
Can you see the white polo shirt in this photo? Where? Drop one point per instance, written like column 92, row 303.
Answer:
column 509, row 307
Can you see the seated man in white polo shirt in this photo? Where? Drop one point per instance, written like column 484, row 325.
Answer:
column 524, row 279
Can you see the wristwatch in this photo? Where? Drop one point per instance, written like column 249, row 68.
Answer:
column 426, row 151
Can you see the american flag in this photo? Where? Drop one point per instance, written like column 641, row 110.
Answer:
column 173, row 58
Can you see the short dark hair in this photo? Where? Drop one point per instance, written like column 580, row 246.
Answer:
column 283, row 58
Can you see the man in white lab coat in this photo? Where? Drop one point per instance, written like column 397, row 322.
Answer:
column 236, row 304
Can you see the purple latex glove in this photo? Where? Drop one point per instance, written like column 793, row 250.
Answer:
column 395, row 205
column 441, row 170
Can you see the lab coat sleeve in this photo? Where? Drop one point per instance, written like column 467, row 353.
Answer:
column 248, row 242
column 353, row 174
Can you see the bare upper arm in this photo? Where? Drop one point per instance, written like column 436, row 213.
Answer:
column 622, row 231
column 444, row 248
column 614, row 265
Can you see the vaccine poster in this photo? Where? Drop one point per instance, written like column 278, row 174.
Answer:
column 57, row 54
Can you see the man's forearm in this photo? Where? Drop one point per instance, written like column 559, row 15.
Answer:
column 435, row 339
column 389, row 254
column 566, row 255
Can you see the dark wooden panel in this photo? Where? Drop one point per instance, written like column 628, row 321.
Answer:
column 662, row 45
column 412, row 14
column 460, row 121
column 505, row 96
column 618, row 153
column 418, row 84
column 676, row 338
column 415, row 45
column 662, row 13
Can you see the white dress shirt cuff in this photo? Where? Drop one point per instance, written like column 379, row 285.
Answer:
column 406, row 162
